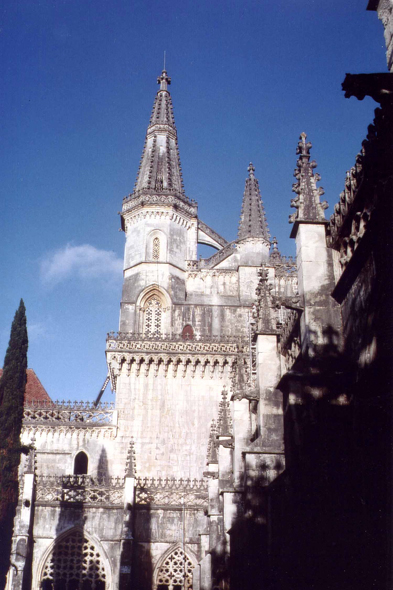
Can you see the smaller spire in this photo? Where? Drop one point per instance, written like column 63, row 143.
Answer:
column 252, row 218
column 130, row 463
column 307, row 203
column 212, row 444
column 30, row 463
column 224, row 425
column 263, row 309
column 275, row 255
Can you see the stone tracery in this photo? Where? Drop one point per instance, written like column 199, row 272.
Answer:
column 74, row 563
column 176, row 572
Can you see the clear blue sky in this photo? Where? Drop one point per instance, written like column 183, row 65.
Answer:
column 78, row 83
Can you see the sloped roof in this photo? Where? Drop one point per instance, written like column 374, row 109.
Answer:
column 35, row 391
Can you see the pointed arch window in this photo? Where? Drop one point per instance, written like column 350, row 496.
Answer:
column 153, row 316
column 175, row 572
column 81, row 463
column 156, row 249
column 74, row 564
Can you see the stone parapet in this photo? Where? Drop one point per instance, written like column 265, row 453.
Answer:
column 52, row 489
column 84, row 413
column 172, row 492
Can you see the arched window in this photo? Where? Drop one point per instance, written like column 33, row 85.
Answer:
column 152, row 325
column 176, row 572
column 187, row 333
column 81, row 463
column 74, row 564
column 156, row 249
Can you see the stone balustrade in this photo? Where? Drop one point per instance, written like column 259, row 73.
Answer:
column 104, row 491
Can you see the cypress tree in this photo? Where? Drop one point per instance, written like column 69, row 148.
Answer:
column 12, row 391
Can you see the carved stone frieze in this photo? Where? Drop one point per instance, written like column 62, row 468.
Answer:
column 134, row 201
column 172, row 492
column 84, row 413
column 77, row 431
column 353, row 213
column 144, row 214
column 79, row 488
column 206, row 366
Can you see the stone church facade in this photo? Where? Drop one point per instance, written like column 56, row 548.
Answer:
column 237, row 381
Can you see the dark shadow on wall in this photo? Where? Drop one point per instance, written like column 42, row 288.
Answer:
column 75, row 563
column 324, row 523
column 142, row 568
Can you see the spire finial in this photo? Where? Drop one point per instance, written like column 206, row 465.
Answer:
column 224, row 426
column 263, row 310
column 164, row 60
column 307, row 203
column 212, row 444
column 163, row 80
column 251, row 170
column 275, row 255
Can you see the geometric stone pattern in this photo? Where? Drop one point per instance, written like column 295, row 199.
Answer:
column 175, row 572
column 172, row 492
column 80, row 488
column 66, row 412
column 74, row 564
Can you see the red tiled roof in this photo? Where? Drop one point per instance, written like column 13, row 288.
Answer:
column 35, row 391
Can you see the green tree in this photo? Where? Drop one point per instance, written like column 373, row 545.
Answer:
column 12, row 391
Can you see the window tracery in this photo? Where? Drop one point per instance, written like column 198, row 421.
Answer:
column 153, row 316
column 74, row 564
column 156, row 249
column 176, row 572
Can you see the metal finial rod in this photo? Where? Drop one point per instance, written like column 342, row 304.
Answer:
column 164, row 59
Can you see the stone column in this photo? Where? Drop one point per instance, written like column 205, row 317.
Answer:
column 316, row 282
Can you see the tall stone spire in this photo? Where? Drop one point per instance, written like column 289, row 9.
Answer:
column 307, row 203
column 160, row 169
column 253, row 222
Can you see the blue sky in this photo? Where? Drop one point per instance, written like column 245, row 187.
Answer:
column 79, row 80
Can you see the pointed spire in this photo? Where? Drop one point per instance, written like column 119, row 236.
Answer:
column 224, row 425
column 30, row 463
column 275, row 255
column 212, row 444
column 130, row 463
column 253, row 222
column 160, row 169
column 263, row 309
column 307, row 203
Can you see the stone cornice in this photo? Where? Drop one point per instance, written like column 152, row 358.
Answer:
column 164, row 198
column 141, row 213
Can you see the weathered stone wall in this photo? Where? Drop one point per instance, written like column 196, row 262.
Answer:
column 169, row 418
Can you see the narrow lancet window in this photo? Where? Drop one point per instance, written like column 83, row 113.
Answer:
column 153, row 317
column 156, row 249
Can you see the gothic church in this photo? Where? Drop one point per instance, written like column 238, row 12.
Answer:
column 243, row 410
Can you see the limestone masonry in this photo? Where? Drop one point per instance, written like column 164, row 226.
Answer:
column 237, row 453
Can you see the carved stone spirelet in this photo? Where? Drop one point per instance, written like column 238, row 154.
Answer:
column 307, row 203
